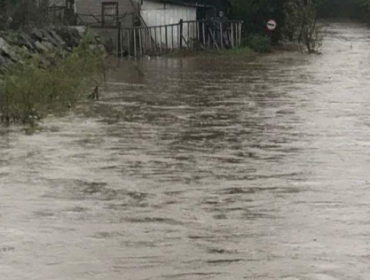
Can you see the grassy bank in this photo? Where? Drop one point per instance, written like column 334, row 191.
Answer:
column 32, row 89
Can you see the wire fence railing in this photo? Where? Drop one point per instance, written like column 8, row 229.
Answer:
column 192, row 35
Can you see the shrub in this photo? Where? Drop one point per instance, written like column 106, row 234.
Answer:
column 301, row 24
column 258, row 43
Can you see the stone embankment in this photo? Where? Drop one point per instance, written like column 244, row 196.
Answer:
column 19, row 46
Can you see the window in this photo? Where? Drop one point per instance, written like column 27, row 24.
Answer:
column 109, row 13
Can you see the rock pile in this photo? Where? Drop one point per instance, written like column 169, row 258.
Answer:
column 16, row 46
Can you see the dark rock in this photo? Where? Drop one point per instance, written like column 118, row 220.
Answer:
column 7, row 51
column 49, row 46
column 57, row 37
column 41, row 48
column 36, row 34
column 46, row 45
column 76, row 36
column 70, row 36
column 3, row 61
column 80, row 29
column 48, row 38
column 25, row 40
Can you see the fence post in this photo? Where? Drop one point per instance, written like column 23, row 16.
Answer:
column 240, row 34
column 140, row 42
column 129, row 41
column 189, row 35
column 204, row 33
column 135, row 42
column 181, row 31
column 119, row 39
column 160, row 40
column 166, row 38
column 221, row 36
column 155, row 40
column 232, row 35
column 172, row 34
column 150, row 40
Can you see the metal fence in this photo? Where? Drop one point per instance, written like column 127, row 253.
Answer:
column 192, row 35
column 123, row 39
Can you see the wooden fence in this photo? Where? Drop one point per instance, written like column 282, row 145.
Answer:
column 162, row 39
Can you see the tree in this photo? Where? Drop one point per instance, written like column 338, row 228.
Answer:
column 301, row 24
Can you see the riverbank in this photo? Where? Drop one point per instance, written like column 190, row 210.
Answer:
column 46, row 70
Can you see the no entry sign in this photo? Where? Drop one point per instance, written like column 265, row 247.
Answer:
column 271, row 25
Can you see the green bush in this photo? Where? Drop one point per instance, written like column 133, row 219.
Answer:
column 258, row 43
column 255, row 14
column 29, row 91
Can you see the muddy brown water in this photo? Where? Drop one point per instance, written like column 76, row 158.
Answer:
column 200, row 168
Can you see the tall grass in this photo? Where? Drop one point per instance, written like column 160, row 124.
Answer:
column 31, row 90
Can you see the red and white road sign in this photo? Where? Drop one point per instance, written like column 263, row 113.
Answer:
column 271, row 25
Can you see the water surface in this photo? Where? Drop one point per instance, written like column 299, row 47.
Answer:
column 200, row 168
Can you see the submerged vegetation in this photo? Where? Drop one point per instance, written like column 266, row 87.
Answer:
column 30, row 90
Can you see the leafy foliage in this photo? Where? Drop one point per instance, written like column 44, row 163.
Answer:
column 255, row 13
column 301, row 24
column 258, row 43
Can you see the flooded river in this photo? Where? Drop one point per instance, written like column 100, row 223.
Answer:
column 200, row 168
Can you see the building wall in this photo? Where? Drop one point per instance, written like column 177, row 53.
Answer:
column 157, row 13
column 94, row 7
